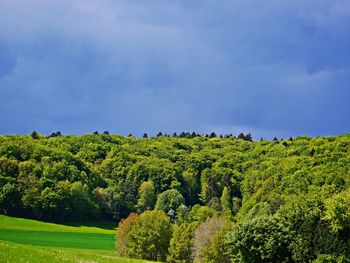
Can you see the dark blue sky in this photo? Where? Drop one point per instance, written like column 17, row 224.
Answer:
column 273, row 68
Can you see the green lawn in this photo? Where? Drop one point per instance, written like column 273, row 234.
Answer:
column 24, row 240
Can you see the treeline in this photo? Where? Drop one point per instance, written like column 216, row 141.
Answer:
column 59, row 177
column 266, row 201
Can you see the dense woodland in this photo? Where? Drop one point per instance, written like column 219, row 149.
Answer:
column 189, row 198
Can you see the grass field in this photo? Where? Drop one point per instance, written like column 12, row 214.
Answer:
column 59, row 239
column 7, row 222
column 24, row 240
column 25, row 231
column 18, row 253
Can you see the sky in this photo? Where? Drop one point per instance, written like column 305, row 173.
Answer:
column 272, row 68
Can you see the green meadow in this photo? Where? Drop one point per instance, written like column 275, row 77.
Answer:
column 24, row 240
column 13, row 223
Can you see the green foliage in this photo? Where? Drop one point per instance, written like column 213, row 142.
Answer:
column 149, row 238
column 226, row 202
column 170, row 199
column 218, row 249
column 209, row 239
column 147, row 197
column 236, row 204
column 337, row 211
column 124, row 228
column 9, row 198
column 262, row 239
column 313, row 233
column 200, row 213
column 324, row 258
column 303, row 182
column 181, row 244
column 198, row 167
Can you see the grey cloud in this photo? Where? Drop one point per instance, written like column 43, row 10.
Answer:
column 135, row 66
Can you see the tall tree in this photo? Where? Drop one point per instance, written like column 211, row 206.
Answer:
column 147, row 197
column 226, row 204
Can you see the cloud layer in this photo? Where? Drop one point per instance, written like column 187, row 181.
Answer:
column 272, row 68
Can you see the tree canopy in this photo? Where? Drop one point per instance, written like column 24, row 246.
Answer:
column 287, row 191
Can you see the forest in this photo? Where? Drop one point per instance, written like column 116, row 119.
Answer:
column 189, row 197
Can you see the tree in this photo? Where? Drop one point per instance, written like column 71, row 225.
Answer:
column 147, row 197
column 181, row 214
column 55, row 134
column 182, row 135
column 226, row 202
column 145, row 136
column 241, row 136
column 314, row 233
column 338, row 211
column 9, row 199
column 122, row 237
column 215, row 203
column 81, row 203
column 149, row 238
column 34, row 135
column 213, row 135
column 217, row 250
column 259, row 240
column 236, row 204
column 204, row 250
column 170, row 199
column 200, row 213
column 181, row 244
column 249, row 137
column 326, row 258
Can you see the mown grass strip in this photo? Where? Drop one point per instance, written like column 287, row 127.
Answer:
column 7, row 222
column 60, row 239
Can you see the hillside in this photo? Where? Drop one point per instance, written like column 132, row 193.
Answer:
column 98, row 176
column 284, row 200
column 24, row 240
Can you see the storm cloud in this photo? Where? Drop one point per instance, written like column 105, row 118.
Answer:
column 273, row 68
